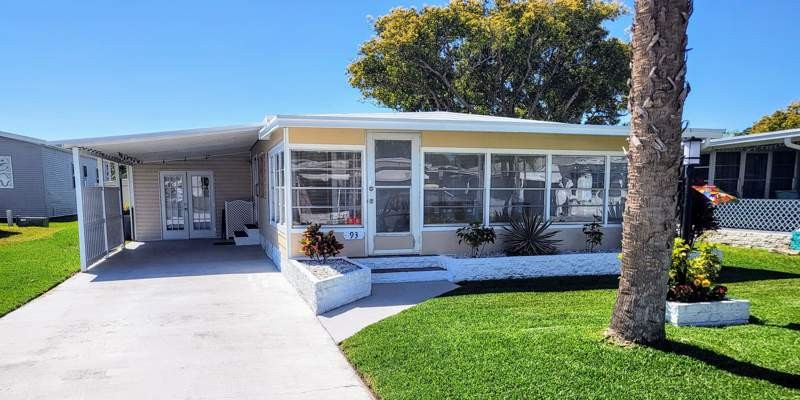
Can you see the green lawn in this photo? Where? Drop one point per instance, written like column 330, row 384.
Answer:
column 33, row 260
column 543, row 339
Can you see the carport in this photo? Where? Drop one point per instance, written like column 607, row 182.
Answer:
column 179, row 184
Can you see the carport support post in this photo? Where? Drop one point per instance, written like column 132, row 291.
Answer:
column 76, row 160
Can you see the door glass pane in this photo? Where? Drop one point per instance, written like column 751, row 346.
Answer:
column 174, row 203
column 201, row 203
column 392, row 162
column 392, row 210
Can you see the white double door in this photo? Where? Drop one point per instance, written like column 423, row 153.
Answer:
column 393, row 197
column 187, row 204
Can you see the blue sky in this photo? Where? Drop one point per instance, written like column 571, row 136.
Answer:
column 92, row 68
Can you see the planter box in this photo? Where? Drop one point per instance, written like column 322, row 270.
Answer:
column 331, row 292
column 520, row 267
column 708, row 313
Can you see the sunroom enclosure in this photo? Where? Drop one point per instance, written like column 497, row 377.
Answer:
column 391, row 195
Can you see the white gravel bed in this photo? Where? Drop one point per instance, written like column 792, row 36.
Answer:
column 334, row 267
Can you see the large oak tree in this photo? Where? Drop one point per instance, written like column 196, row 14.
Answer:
column 788, row 118
column 658, row 91
column 538, row 59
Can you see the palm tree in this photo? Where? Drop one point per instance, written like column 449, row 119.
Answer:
column 658, row 90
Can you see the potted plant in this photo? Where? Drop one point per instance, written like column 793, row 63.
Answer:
column 693, row 298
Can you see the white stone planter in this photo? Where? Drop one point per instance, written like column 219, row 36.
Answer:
column 708, row 313
column 326, row 294
column 519, row 267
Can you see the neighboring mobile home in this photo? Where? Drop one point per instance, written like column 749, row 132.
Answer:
column 386, row 183
column 36, row 179
column 763, row 171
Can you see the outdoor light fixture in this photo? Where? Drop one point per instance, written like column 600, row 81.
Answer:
column 691, row 157
column 691, row 150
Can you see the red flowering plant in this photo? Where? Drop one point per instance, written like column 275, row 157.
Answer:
column 318, row 245
column 692, row 273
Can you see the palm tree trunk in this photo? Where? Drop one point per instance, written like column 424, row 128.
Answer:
column 658, row 91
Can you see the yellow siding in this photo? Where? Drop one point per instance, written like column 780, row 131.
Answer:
column 327, row 136
column 231, row 182
column 502, row 140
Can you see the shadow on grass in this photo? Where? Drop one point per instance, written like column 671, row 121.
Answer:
column 736, row 367
column 731, row 274
column 792, row 326
column 5, row 234
column 549, row 284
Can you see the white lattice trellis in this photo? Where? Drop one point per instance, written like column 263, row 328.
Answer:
column 238, row 213
column 760, row 214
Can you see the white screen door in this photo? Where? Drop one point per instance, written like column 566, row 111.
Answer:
column 393, row 193
column 187, row 210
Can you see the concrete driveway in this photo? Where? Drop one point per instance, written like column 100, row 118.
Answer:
column 173, row 320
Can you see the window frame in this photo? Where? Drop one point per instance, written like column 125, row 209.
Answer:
column 276, row 202
column 544, row 190
column 483, row 189
column 548, row 181
column 361, row 150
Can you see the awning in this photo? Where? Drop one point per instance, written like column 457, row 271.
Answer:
column 171, row 145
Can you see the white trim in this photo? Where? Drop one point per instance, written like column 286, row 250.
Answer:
column 487, row 190
column 768, row 178
column 606, row 184
column 102, row 185
column 132, row 208
column 137, row 137
column 541, row 152
column 188, row 232
column 326, row 147
column 763, row 138
column 447, row 121
column 76, row 173
column 740, row 181
column 415, row 198
column 712, row 168
column 287, row 191
column 548, row 183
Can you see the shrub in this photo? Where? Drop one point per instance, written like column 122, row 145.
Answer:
column 527, row 236
column 594, row 236
column 318, row 245
column 693, row 272
column 476, row 236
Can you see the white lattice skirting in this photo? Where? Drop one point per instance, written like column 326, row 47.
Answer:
column 238, row 213
column 760, row 214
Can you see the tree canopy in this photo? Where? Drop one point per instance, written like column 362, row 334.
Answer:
column 538, row 59
column 788, row 118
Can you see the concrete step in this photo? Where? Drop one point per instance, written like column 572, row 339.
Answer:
column 405, row 269
column 243, row 238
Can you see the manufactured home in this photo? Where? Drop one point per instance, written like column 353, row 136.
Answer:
column 36, row 178
column 385, row 183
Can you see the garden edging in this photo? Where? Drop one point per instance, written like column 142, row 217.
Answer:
column 520, row 267
column 708, row 313
column 323, row 295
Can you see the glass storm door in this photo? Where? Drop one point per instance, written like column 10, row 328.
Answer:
column 393, row 193
column 187, row 205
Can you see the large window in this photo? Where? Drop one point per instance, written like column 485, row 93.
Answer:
column 517, row 186
column 453, row 188
column 783, row 164
column 617, row 188
column 726, row 171
column 577, row 188
column 277, row 200
column 326, row 187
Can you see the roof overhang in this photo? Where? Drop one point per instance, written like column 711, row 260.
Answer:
column 785, row 137
column 173, row 145
column 407, row 122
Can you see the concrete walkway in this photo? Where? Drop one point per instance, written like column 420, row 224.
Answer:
column 387, row 299
column 173, row 320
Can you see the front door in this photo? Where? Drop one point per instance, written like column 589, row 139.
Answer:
column 187, row 205
column 393, row 193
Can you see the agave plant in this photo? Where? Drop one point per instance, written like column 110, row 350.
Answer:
column 527, row 236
